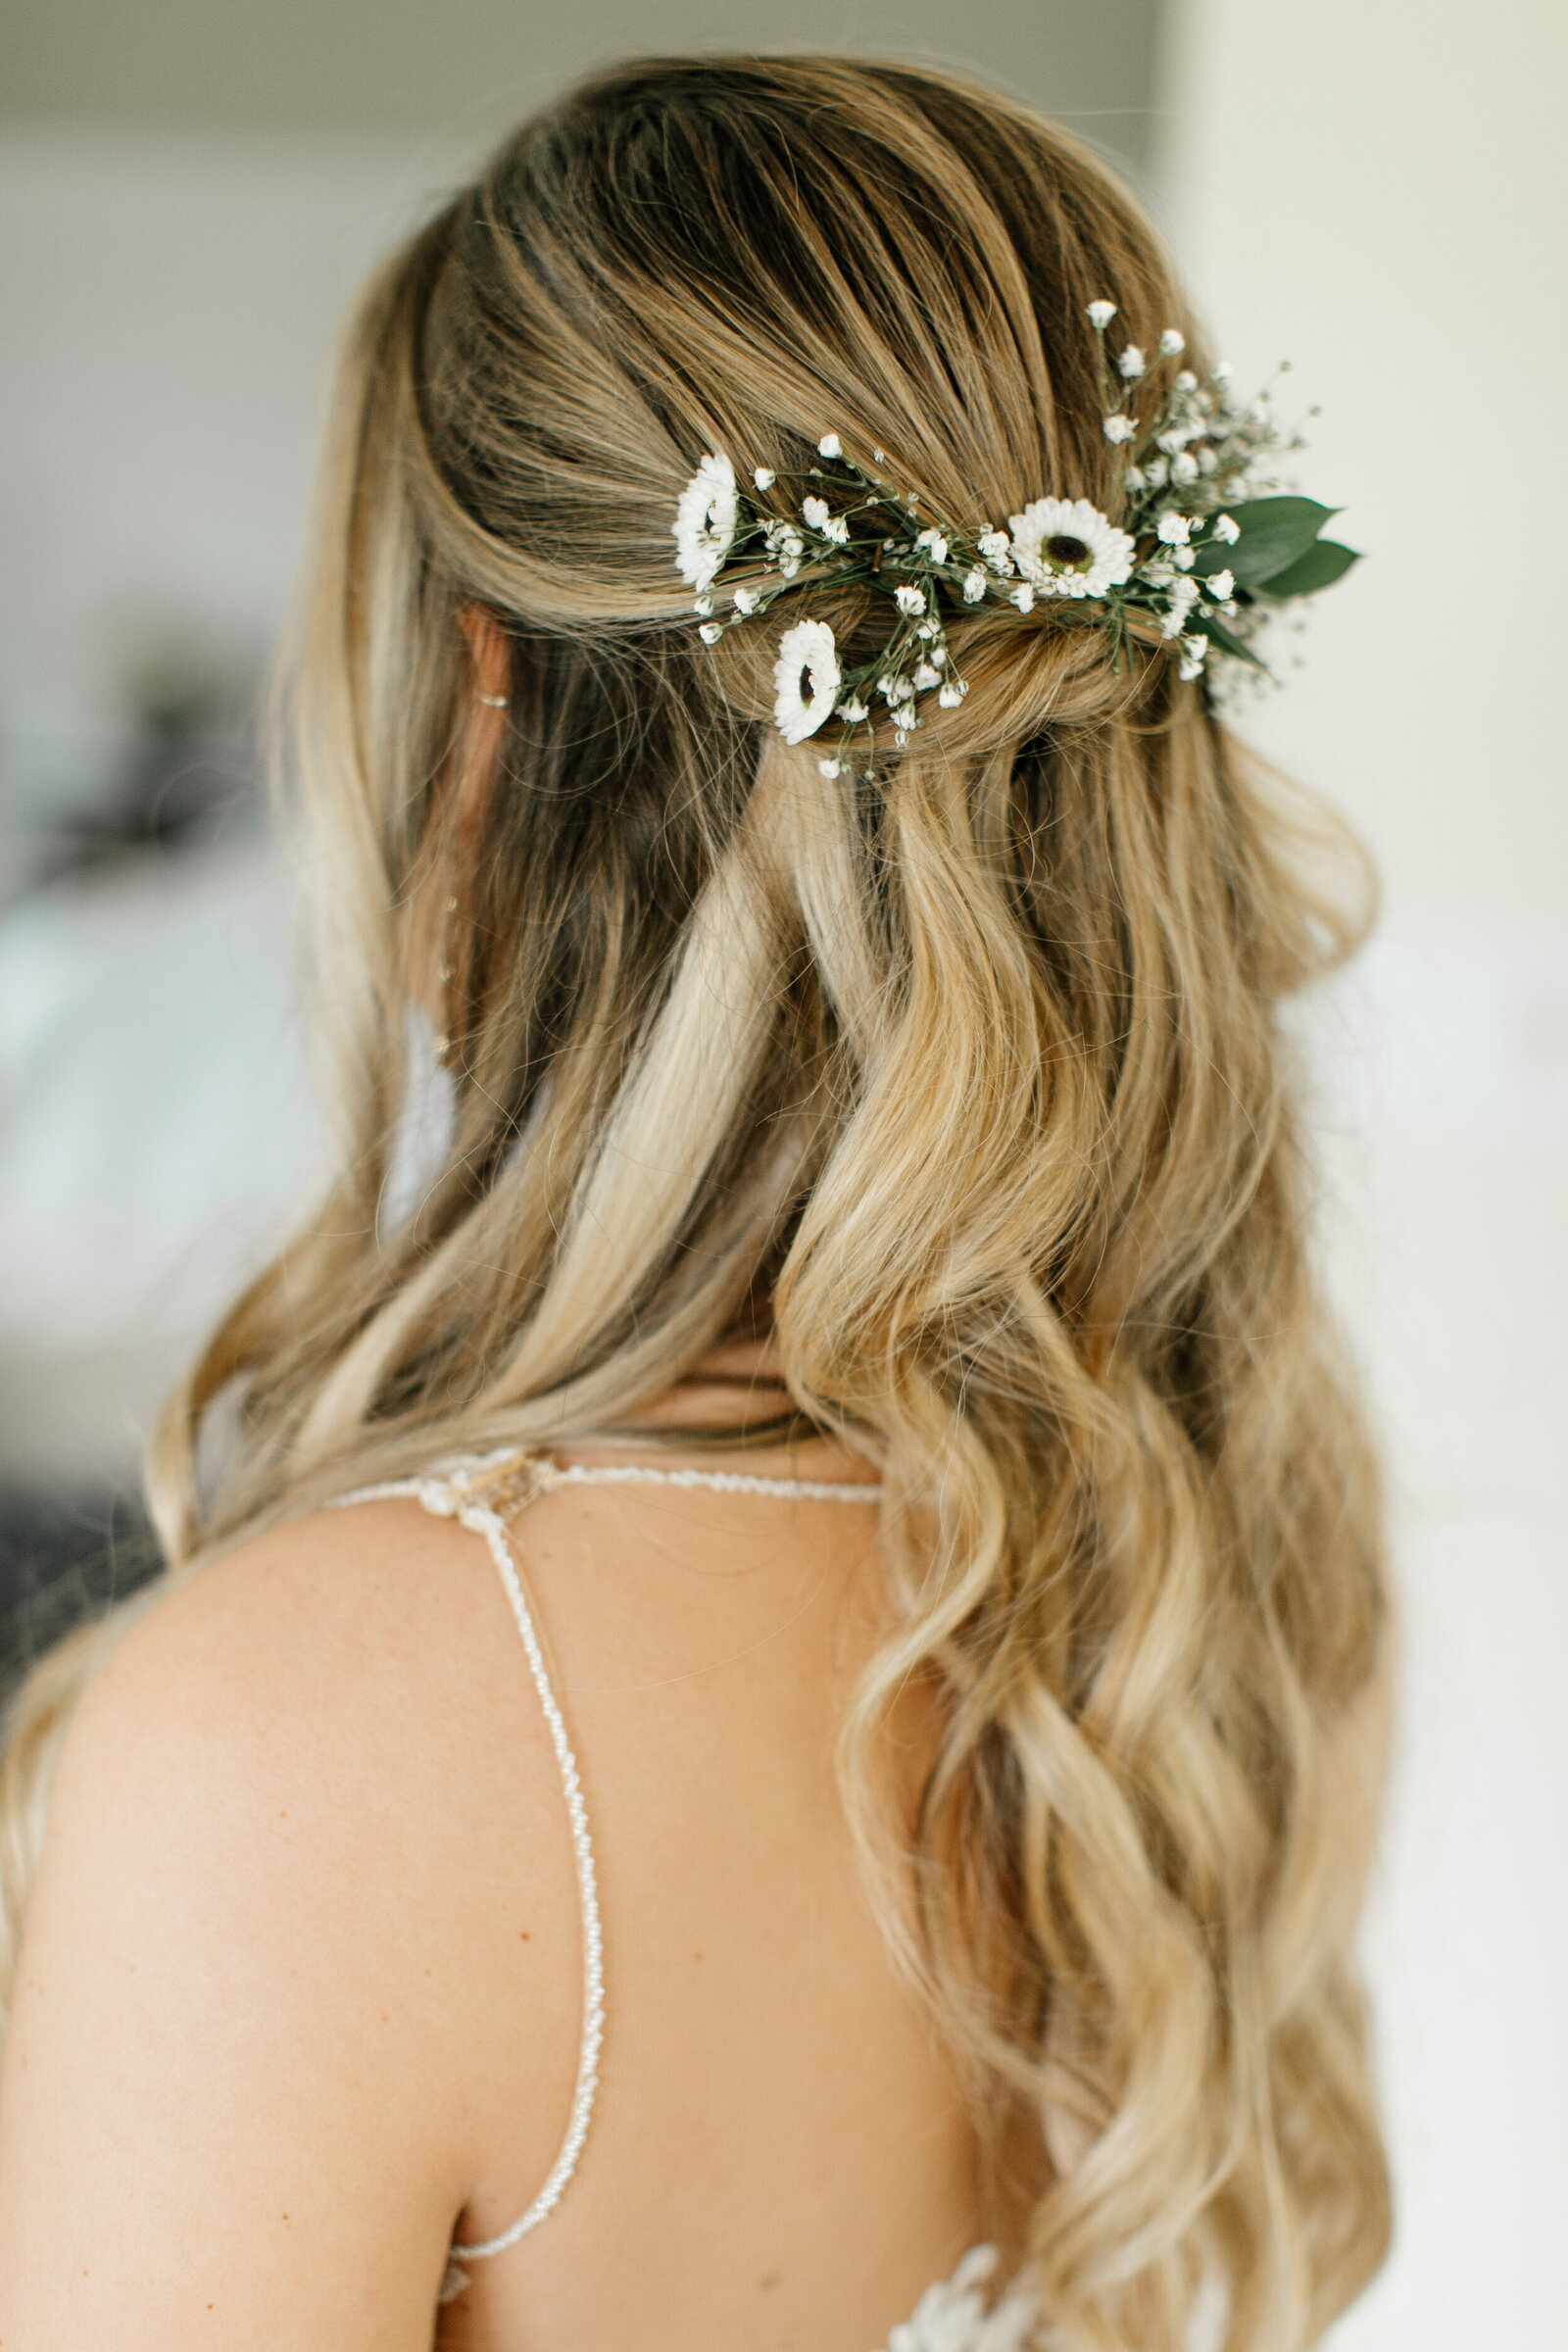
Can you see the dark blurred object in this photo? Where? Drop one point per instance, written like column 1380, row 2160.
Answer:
column 64, row 1558
column 189, row 771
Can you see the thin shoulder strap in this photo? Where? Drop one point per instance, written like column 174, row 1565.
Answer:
column 473, row 1493
column 481, row 1491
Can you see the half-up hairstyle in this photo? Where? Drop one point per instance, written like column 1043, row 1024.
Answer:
column 975, row 1072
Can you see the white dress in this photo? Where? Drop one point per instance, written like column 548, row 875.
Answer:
column 481, row 1491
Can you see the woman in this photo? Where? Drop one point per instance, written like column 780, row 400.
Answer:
column 860, row 1309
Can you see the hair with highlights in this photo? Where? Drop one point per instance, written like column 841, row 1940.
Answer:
column 976, row 1073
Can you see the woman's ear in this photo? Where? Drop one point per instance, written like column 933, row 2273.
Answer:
column 462, row 797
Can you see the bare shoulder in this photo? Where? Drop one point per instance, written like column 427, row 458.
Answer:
column 292, row 1827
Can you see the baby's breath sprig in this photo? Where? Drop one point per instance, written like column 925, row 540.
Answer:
column 1206, row 547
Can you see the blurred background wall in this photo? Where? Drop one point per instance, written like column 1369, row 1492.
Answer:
column 188, row 195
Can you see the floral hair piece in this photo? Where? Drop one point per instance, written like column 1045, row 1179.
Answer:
column 1208, row 545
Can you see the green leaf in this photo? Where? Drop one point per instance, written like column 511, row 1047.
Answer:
column 1206, row 624
column 1325, row 561
column 1273, row 533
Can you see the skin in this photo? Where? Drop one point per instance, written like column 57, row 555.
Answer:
column 300, row 1992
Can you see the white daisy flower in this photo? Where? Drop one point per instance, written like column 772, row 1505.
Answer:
column 853, row 711
column 806, row 677
column 1068, row 548
column 1173, row 528
column 1100, row 314
column 710, row 632
column 935, row 542
column 830, row 446
column 1227, row 528
column 974, row 585
column 836, row 530
column 764, row 478
column 1221, row 586
column 926, row 676
column 1171, row 342
column 1132, row 363
column 953, row 694
column 816, row 511
column 910, row 600
column 706, row 519
column 992, row 545
column 1119, row 428
column 746, row 600
column 1024, row 597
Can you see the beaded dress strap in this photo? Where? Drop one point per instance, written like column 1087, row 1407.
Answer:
column 481, row 1491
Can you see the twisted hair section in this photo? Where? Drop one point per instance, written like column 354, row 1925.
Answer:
column 978, row 1071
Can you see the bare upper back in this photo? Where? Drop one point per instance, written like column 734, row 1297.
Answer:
column 309, row 1891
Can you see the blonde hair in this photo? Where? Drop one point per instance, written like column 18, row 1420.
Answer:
column 977, row 1070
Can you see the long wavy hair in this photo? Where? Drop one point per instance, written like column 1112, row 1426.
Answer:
column 976, row 1073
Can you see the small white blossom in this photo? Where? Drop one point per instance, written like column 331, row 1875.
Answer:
column 974, row 585
column 1100, row 314
column 926, row 676
column 816, row 511
column 1206, row 460
column 953, row 694
column 895, row 691
column 1194, row 652
column 706, row 519
column 746, row 600
column 910, row 600
column 836, row 530
column 992, row 545
column 1183, row 597
column 935, row 542
column 1024, row 597
column 853, row 711
column 1175, row 437
column 928, row 629
column 704, row 604
column 1222, row 586
column 1183, row 557
column 710, row 632
column 830, row 768
column 1120, row 428
column 1183, row 466
column 938, row 654
column 1227, row 528
column 1135, row 477
column 880, row 455
column 1155, row 473
column 1186, row 381
column 1171, row 342
column 830, row 446
column 806, row 679
column 1222, row 373
column 764, row 478
column 1132, row 363
column 1173, row 528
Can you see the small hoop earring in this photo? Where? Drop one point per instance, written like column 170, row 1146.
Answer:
column 496, row 702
